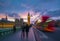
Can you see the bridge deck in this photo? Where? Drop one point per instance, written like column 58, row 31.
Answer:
column 18, row 36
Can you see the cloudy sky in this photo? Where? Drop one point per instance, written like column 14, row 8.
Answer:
column 18, row 7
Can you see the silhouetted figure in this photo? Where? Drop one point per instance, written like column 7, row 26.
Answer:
column 27, row 29
column 23, row 30
column 14, row 28
column 23, row 33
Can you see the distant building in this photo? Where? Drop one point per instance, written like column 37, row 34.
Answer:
column 21, row 21
column 17, row 22
column 4, row 19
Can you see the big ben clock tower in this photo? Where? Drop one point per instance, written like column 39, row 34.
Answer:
column 28, row 19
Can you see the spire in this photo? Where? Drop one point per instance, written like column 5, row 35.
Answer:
column 6, row 17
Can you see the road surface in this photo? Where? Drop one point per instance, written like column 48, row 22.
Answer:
column 54, row 35
column 34, row 35
column 41, row 36
column 17, row 36
column 48, row 36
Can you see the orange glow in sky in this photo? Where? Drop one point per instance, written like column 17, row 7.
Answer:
column 22, row 15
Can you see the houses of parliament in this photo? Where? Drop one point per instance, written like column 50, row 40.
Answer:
column 4, row 23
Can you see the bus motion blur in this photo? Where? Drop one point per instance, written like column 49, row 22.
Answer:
column 46, row 24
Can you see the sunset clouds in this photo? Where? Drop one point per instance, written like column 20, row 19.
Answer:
column 20, row 8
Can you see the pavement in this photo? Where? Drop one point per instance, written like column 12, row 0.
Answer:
column 17, row 36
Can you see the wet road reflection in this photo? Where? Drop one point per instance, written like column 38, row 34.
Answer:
column 20, row 36
column 28, row 36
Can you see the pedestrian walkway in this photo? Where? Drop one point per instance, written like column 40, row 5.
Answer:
column 17, row 36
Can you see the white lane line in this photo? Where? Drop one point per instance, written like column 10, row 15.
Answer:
column 42, row 35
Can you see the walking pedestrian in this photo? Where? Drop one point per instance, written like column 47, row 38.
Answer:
column 14, row 28
column 27, row 30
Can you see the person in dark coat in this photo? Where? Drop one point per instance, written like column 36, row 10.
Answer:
column 23, row 29
column 27, row 29
column 14, row 28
